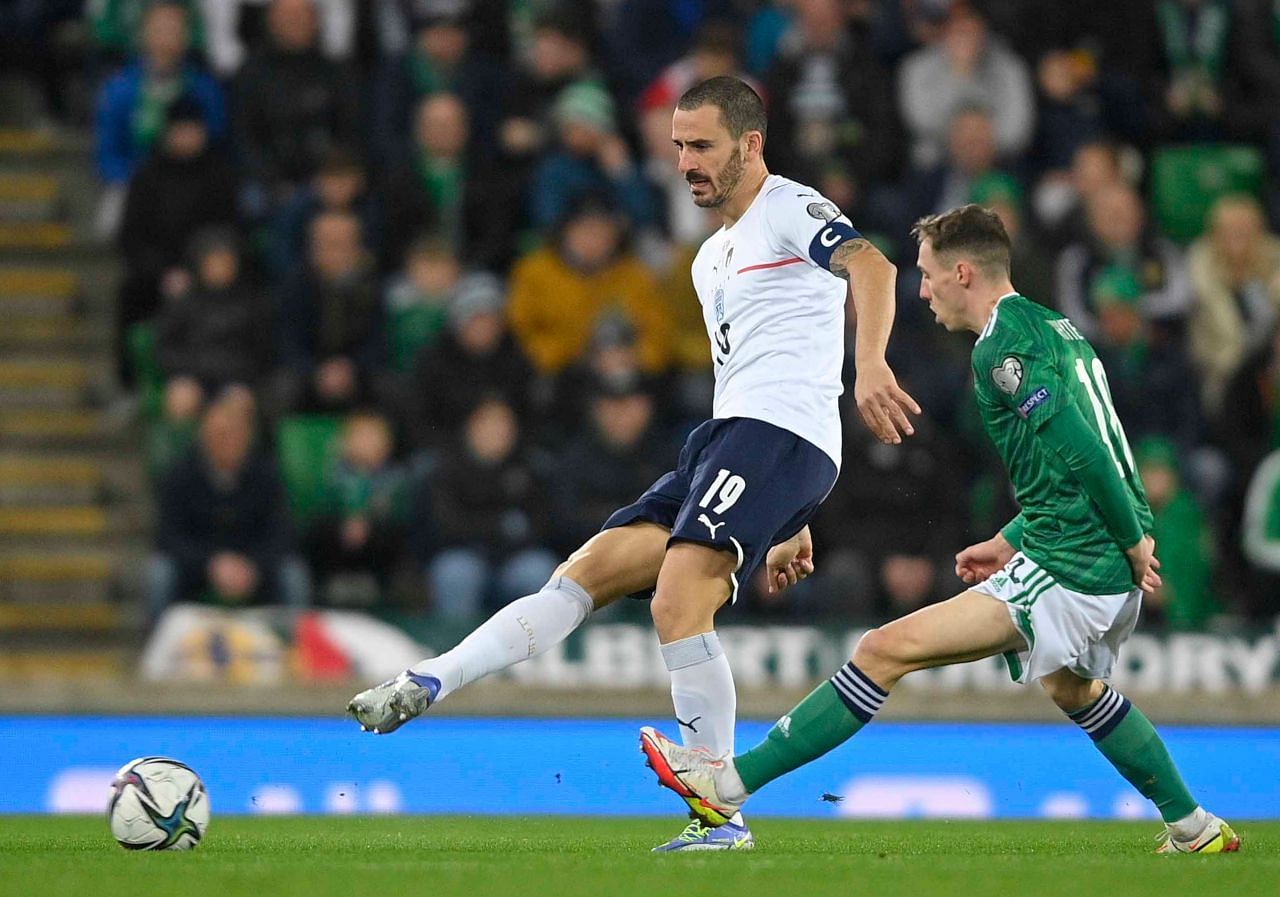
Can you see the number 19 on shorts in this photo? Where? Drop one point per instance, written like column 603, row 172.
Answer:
column 727, row 487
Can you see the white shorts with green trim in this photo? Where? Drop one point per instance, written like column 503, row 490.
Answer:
column 1063, row 628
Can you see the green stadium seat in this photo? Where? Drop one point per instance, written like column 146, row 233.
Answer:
column 1187, row 180
column 408, row 330
column 306, row 445
column 144, row 360
column 164, row 442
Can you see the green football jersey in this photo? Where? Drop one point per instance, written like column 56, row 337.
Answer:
column 1029, row 363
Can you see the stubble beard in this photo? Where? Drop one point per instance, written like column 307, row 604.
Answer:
column 730, row 178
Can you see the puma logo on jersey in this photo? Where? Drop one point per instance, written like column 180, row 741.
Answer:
column 703, row 518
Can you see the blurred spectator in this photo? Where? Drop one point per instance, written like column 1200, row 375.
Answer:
column 223, row 533
column 1249, row 422
column 1070, row 111
column 292, row 106
column 971, row 159
column 417, row 299
column 615, row 458
column 332, row 335
column 763, row 33
column 831, row 106
column 1261, row 537
column 611, row 357
column 117, row 25
column 450, row 192
column 217, row 333
column 560, row 292
column 1235, row 272
column 440, row 59
column 489, row 518
column 1253, row 87
column 891, row 520
column 648, row 35
column 183, row 187
column 714, row 53
column 475, row 356
column 504, row 30
column 1029, row 263
column 1152, row 382
column 355, row 542
column 1103, row 29
column 132, row 104
column 967, row 67
column 1186, row 601
column 591, row 157
column 339, row 184
column 236, row 28
column 1193, row 38
column 1062, row 195
column 1119, row 238
column 43, row 43
column 560, row 57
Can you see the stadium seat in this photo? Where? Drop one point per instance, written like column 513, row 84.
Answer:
column 306, row 444
column 145, row 362
column 408, row 329
column 1186, row 180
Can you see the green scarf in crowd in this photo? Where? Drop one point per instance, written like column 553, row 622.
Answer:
column 1201, row 44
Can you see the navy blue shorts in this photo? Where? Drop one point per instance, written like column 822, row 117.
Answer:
column 741, row 485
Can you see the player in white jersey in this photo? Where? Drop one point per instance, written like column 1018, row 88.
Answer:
column 772, row 282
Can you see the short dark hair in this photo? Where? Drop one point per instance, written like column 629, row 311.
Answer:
column 741, row 108
column 968, row 230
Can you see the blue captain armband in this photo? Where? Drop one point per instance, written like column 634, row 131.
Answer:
column 825, row 241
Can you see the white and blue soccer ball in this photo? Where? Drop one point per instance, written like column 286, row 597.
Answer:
column 158, row 804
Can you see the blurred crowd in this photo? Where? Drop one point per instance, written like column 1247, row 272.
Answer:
column 407, row 299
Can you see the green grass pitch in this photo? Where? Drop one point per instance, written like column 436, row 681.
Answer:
column 557, row 857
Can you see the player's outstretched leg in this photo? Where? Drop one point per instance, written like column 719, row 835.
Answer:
column 715, row 788
column 612, row 564
column 968, row 627
column 1123, row 735
column 693, row 583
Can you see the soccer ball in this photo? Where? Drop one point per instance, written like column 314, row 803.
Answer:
column 157, row 804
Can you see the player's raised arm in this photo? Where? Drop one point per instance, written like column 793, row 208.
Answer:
column 881, row 402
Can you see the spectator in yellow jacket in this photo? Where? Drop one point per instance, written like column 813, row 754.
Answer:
column 1235, row 273
column 560, row 292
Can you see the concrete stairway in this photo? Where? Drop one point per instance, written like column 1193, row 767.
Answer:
column 74, row 519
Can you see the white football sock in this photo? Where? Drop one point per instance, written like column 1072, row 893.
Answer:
column 1190, row 827
column 730, row 786
column 524, row 628
column 702, row 691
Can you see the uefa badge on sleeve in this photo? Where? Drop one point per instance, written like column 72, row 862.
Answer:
column 1008, row 375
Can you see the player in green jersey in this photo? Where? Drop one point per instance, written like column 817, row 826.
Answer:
column 1056, row 591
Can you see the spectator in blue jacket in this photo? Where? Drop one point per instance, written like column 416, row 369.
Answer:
column 591, row 159
column 132, row 104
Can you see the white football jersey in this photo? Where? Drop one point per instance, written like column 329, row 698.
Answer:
column 775, row 314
